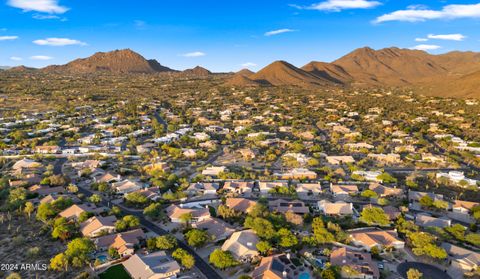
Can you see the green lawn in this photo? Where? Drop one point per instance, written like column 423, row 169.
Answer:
column 115, row 272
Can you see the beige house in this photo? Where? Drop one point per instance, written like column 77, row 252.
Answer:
column 124, row 242
column 238, row 187
column 360, row 262
column 98, row 225
column 339, row 160
column 306, row 190
column 383, row 191
column 156, row 265
column 240, row 204
column 342, row 191
column 374, row 237
column 242, row 245
column 338, row 208
column 175, row 214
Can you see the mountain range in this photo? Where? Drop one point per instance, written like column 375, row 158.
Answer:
column 453, row 74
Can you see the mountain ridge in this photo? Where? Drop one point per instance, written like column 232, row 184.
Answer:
column 453, row 73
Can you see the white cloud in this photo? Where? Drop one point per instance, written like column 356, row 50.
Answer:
column 40, row 57
column 248, row 64
column 450, row 37
column 8, row 38
column 43, row 6
column 421, row 39
column 16, row 58
column 39, row 16
column 279, row 31
column 194, row 54
column 58, row 42
column 416, row 13
column 426, row 47
column 338, row 5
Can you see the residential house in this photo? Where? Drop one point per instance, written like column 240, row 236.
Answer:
column 202, row 188
column 275, row 267
column 74, row 211
column 175, row 212
column 215, row 227
column 463, row 207
column 297, row 173
column 391, row 158
column 424, row 220
column 339, row 160
column 360, row 262
column 368, row 175
column 343, row 191
column 461, row 259
column 214, row 171
column 43, row 190
column 106, row 177
column 265, row 187
column 383, row 191
column 156, row 265
column 308, row 190
column 242, row 245
column 414, row 196
column 47, row 149
column 457, row 177
column 98, row 225
column 374, row 237
column 338, row 208
column 126, row 186
column 124, row 242
column 240, row 204
column 282, row 206
column 238, row 187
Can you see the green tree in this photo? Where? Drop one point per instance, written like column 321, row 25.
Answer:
column 264, row 247
column 17, row 197
column 369, row 194
column 62, row 229
column 186, row 218
column 95, row 198
column 387, row 178
column 45, row 211
column 196, row 238
column 262, row 227
column 222, row 259
column 29, row 208
column 473, row 238
column 320, row 233
column 113, row 253
column 287, row 238
column 413, row 273
column 226, row 212
column 426, row 201
column 59, row 262
column 128, row 221
column 153, row 211
column 187, row 260
column 166, row 242
column 374, row 216
column 79, row 250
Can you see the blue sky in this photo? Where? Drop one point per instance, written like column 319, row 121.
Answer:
column 230, row 35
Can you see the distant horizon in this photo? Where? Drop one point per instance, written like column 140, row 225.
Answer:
column 219, row 72
column 226, row 37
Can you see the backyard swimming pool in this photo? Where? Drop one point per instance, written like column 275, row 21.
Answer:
column 304, row 275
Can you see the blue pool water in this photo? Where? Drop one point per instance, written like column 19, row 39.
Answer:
column 304, row 275
column 102, row 258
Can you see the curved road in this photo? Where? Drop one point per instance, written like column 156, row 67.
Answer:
column 203, row 266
